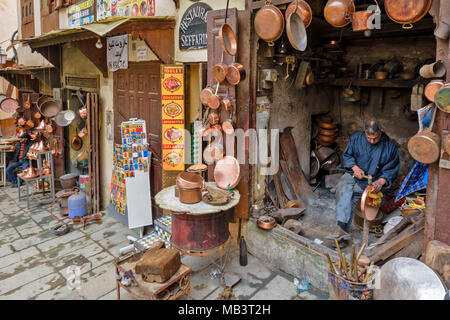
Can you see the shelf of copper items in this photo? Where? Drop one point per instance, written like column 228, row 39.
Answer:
column 178, row 285
column 375, row 83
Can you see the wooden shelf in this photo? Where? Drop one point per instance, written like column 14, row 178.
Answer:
column 375, row 83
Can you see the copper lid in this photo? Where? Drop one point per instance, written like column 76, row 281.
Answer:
column 432, row 88
column 227, row 173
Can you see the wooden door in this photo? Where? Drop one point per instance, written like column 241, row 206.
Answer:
column 137, row 94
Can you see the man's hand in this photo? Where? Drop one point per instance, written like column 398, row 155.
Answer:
column 357, row 172
column 377, row 185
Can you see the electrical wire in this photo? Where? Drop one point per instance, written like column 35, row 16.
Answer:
column 53, row 203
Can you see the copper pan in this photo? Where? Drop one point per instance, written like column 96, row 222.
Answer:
column 227, row 104
column 338, row 12
column 227, row 173
column 30, row 124
column 227, row 39
column 328, row 133
column 235, row 73
column 406, row 12
column 326, row 139
column 219, row 72
column 269, row 23
column 368, row 212
column 327, row 122
column 205, row 94
column 190, row 196
column 296, row 31
column 37, row 115
column 425, row 147
column 324, row 143
column 214, row 102
column 228, row 126
column 266, row 222
column 21, row 121
column 432, row 88
column 303, row 10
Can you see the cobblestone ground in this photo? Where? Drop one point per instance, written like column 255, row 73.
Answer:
column 37, row 264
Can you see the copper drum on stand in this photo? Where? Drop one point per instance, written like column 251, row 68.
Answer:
column 200, row 232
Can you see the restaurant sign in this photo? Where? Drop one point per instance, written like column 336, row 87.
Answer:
column 172, row 88
column 124, row 8
column 81, row 13
column 192, row 32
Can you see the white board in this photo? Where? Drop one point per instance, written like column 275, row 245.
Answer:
column 139, row 202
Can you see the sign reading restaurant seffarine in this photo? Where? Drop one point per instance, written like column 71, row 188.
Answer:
column 192, row 33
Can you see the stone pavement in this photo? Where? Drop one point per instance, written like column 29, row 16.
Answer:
column 37, row 264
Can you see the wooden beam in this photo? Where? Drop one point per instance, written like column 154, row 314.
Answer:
column 161, row 42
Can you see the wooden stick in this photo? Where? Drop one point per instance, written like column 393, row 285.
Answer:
column 365, row 238
column 368, row 274
column 330, row 264
column 352, row 262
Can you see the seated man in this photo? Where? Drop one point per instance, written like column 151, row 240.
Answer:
column 20, row 159
column 367, row 153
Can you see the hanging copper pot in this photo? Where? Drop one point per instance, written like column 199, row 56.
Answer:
column 227, row 39
column 338, row 12
column 219, row 72
column 190, row 180
column 205, row 94
column 214, row 102
column 407, row 12
column 213, row 118
column 50, row 128
column 359, row 20
column 296, row 31
column 30, row 124
column 425, row 147
column 303, row 10
column 235, row 73
column 21, row 121
column 228, row 126
column 41, row 147
column 269, row 23
column 27, row 104
column 37, row 115
column 227, row 104
column 20, row 131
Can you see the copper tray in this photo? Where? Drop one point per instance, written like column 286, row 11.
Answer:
column 368, row 212
column 227, row 173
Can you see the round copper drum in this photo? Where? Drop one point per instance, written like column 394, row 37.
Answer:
column 303, row 10
column 227, row 127
column 227, row 39
column 205, row 94
column 406, row 11
column 432, row 88
column 235, row 73
column 219, row 72
column 214, row 102
column 338, row 12
column 425, row 147
column 368, row 212
column 213, row 118
column 269, row 23
column 227, row 173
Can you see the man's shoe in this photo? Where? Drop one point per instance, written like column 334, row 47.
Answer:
column 339, row 234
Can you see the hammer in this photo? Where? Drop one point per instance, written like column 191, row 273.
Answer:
column 368, row 177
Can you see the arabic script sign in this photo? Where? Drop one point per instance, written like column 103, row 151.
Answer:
column 117, row 52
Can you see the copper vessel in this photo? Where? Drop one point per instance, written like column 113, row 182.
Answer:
column 41, row 147
column 227, row 126
column 324, row 143
column 326, row 138
column 269, row 23
column 213, row 118
column 214, row 102
column 21, row 121
column 31, row 155
column 219, row 72
column 200, row 232
column 368, row 212
column 296, row 31
column 227, row 39
column 326, row 122
column 329, row 133
column 432, row 88
column 189, row 180
column 41, row 125
column 190, row 196
column 30, row 124
column 37, row 115
column 359, row 20
column 34, row 146
column 27, row 104
column 29, row 173
column 406, row 12
column 227, row 173
column 266, row 222
column 425, row 147
column 227, row 104
column 205, row 94
column 235, row 73
column 50, row 128
column 46, row 170
column 20, row 131
column 303, row 10
column 338, row 12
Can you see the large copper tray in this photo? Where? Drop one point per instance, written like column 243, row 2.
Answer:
column 368, row 212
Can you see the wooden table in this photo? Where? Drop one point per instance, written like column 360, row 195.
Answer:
column 179, row 284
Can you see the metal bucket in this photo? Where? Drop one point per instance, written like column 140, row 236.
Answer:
column 200, row 232
column 341, row 289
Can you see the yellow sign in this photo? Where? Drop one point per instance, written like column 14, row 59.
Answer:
column 172, row 94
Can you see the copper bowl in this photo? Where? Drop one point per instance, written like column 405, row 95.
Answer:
column 326, row 139
column 328, row 133
column 338, row 12
column 37, row 115
column 189, row 180
column 324, row 143
column 227, row 173
column 266, row 222
column 50, row 107
column 327, row 122
column 205, row 94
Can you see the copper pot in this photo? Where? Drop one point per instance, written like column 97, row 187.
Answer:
column 235, row 73
column 227, row 39
column 324, row 143
column 425, row 147
column 326, row 122
column 30, row 124
column 41, row 147
column 21, row 121
column 205, row 94
column 76, row 143
column 190, row 196
column 213, row 118
column 31, row 155
column 219, row 72
column 359, row 20
column 228, row 127
column 46, row 171
column 303, row 10
column 269, row 23
column 27, row 104
column 406, row 12
column 432, row 88
column 328, row 133
column 326, row 138
column 189, row 180
column 37, row 115
column 214, row 102
column 227, row 104
column 266, row 222
column 338, row 12
column 296, row 31
column 29, row 173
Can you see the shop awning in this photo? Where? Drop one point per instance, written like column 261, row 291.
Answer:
column 89, row 31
